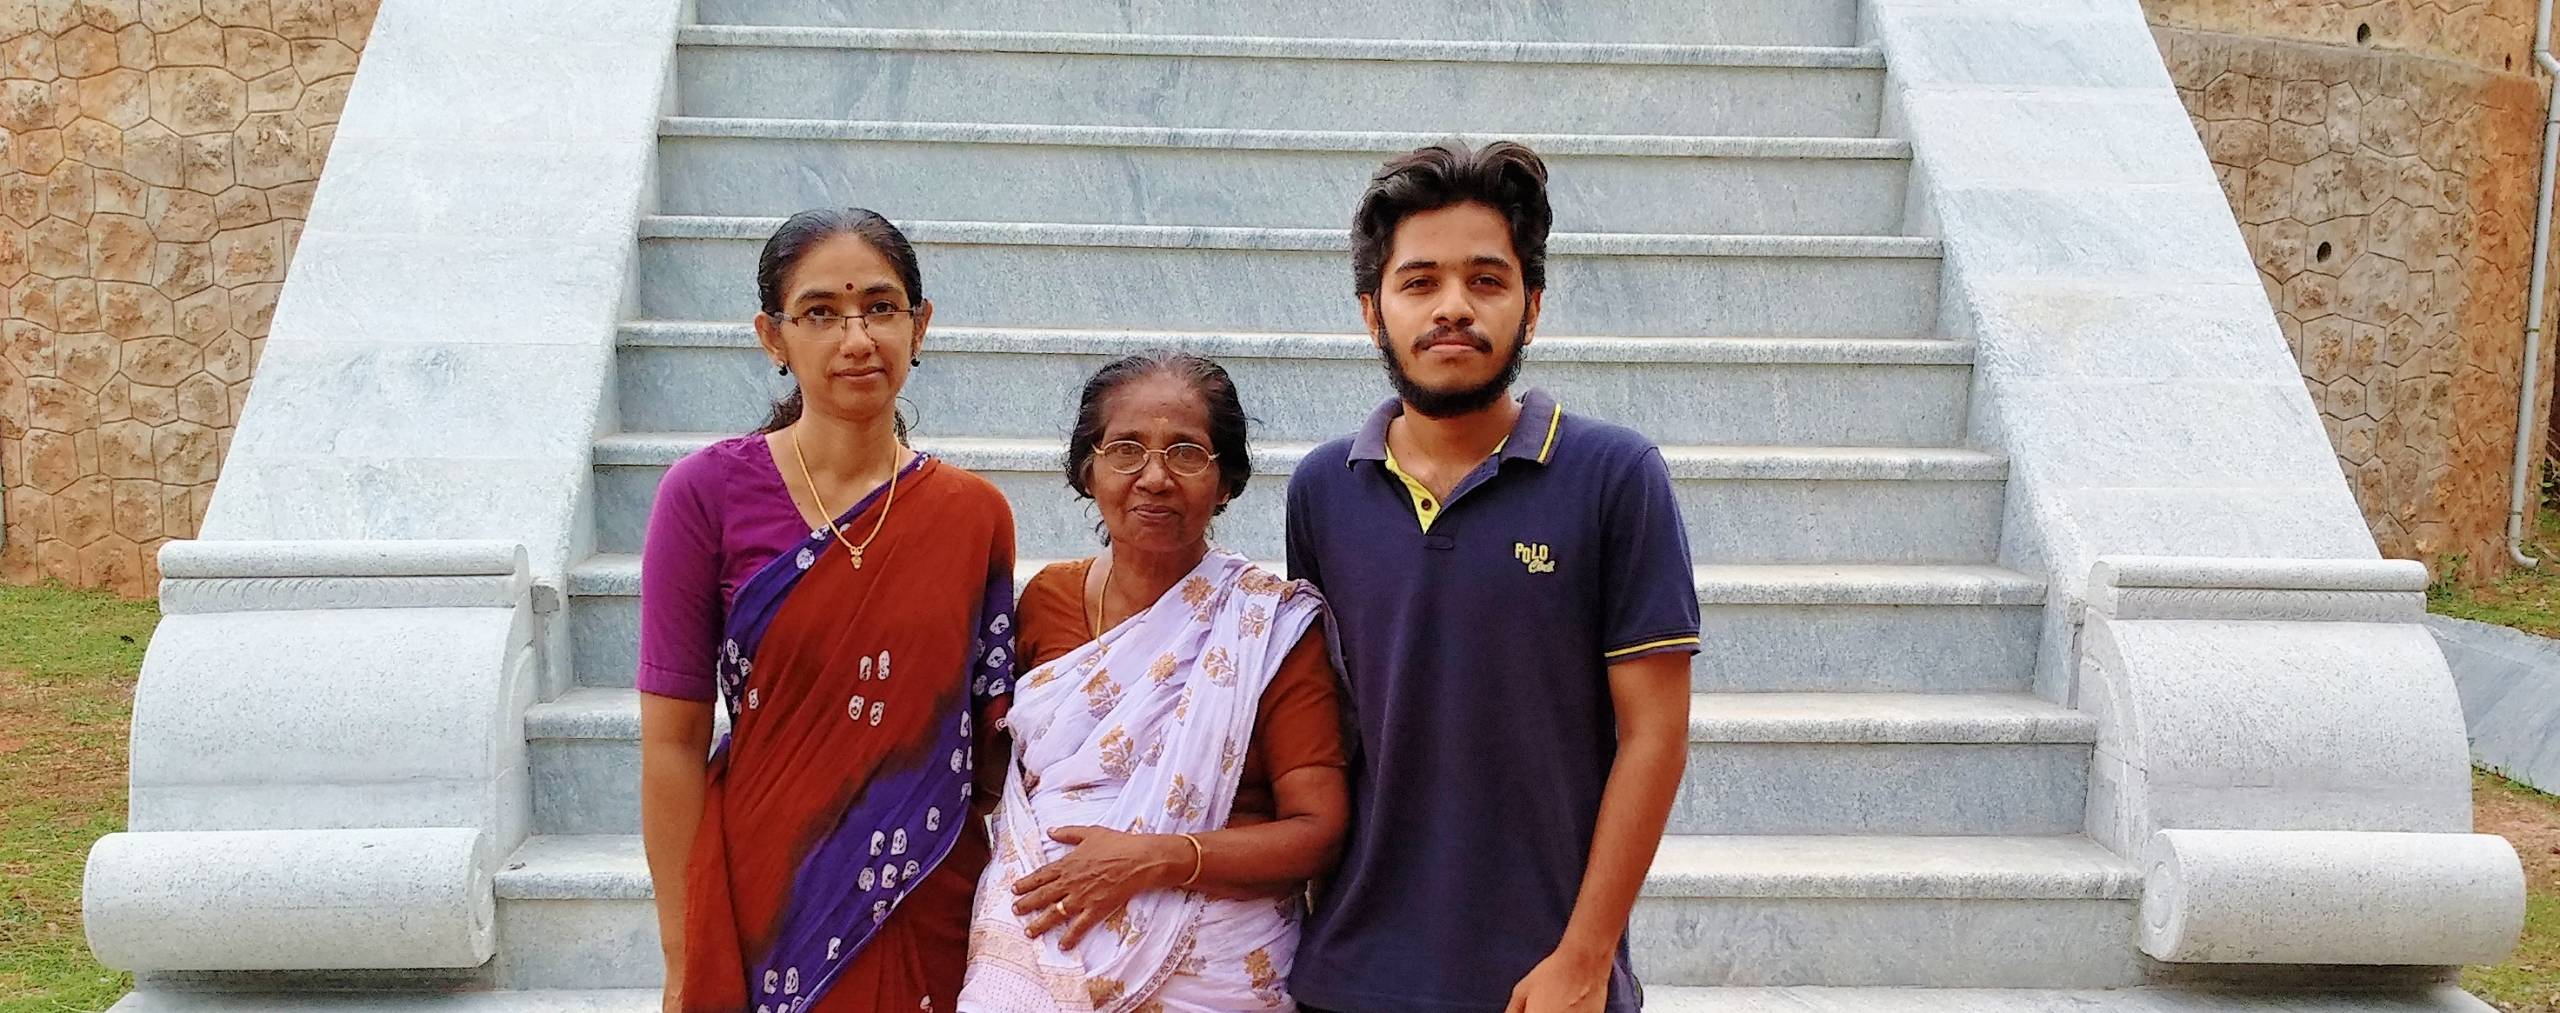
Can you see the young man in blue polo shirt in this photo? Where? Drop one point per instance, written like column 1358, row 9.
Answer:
column 1512, row 589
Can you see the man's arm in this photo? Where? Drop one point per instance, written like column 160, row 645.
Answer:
column 1649, row 628
column 1651, row 694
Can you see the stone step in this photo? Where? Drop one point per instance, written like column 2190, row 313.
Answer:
column 1141, row 276
column 1288, row 179
column 1771, row 763
column 1022, row 383
column 576, row 913
column 1884, row 763
column 1935, row 629
column 936, row 75
column 586, row 762
column 1736, row 22
column 1769, row 628
column 1742, row 504
column 2010, row 912
column 1990, row 911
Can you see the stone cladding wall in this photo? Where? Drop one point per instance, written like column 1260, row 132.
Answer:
column 2381, row 158
column 157, row 158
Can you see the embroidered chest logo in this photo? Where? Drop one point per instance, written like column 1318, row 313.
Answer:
column 1535, row 557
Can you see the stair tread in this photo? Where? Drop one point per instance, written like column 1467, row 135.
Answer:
column 577, row 867
column 1285, row 345
column 2071, row 867
column 1279, row 457
column 586, row 712
column 1877, row 584
column 614, row 867
column 1221, row 237
column 612, row 574
column 1886, row 718
column 1264, row 47
column 589, row 712
column 1232, row 139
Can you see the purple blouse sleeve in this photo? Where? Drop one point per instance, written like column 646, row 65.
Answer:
column 680, row 606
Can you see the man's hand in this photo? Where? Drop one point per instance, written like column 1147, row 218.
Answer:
column 1568, row 981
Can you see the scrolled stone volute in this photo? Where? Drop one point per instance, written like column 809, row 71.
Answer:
column 290, row 900
column 2330, row 897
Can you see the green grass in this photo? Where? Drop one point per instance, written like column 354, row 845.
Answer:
column 2527, row 599
column 2529, row 982
column 67, row 666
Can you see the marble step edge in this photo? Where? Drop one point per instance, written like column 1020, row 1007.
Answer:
column 1847, row 867
column 1275, row 48
column 617, row 575
column 1352, row 347
column 613, row 714
column 1214, row 237
column 1697, row 463
column 1383, row 142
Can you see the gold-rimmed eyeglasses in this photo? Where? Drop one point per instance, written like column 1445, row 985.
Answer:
column 827, row 322
column 1129, row 457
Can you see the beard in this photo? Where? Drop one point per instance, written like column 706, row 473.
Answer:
column 1442, row 404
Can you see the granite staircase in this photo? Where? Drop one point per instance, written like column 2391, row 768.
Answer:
column 1875, row 796
column 1881, row 810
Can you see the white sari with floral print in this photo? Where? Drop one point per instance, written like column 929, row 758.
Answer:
column 1143, row 730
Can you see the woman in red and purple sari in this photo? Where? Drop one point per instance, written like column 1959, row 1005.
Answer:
column 849, row 603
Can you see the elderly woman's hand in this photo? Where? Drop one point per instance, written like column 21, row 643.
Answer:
column 1097, row 879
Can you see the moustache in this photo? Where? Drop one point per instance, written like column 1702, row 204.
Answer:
column 1468, row 335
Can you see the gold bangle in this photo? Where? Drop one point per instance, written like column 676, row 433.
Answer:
column 1199, row 860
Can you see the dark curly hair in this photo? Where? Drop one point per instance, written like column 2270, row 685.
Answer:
column 1504, row 176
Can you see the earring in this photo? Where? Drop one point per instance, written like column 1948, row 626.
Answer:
column 917, row 361
column 781, row 370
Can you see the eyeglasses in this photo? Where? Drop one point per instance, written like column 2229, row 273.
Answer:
column 825, row 321
column 1129, row 457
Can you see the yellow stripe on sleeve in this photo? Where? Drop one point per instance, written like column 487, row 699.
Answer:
column 1656, row 645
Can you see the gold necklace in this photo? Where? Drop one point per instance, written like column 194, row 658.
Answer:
column 1102, row 602
column 812, row 481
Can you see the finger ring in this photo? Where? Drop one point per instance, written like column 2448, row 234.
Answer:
column 1060, row 908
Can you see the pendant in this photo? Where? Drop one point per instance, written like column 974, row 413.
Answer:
column 857, row 557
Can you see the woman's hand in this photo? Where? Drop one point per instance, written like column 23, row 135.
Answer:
column 1097, row 879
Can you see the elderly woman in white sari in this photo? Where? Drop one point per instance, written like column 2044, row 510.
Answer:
column 1177, row 767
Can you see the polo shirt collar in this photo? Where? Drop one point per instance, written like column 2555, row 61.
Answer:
column 1532, row 439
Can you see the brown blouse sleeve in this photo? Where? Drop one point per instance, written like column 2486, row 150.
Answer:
column 1049, row 618
column 1300, row 720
